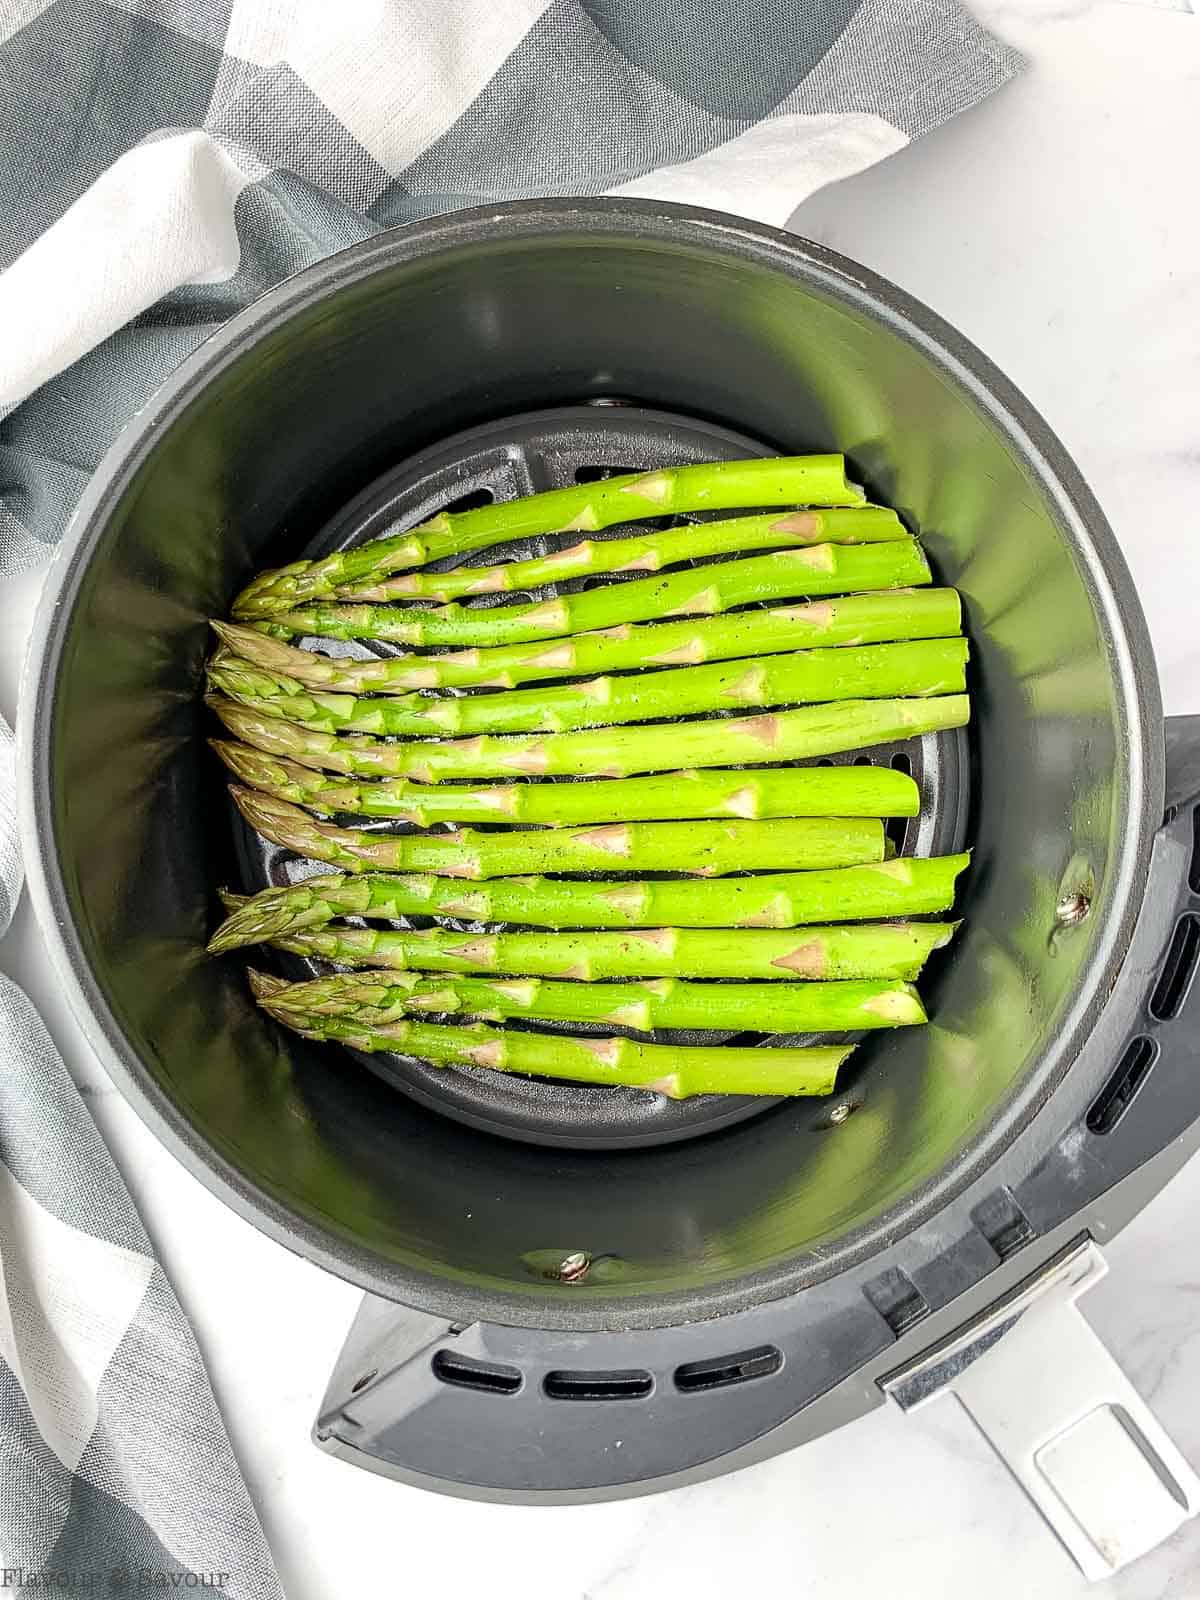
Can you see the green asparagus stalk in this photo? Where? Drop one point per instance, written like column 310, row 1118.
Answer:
column 584, row 508
column 926, row 667
column 816, row 569
column 678, row 1071
column 853, row 620
column 649, row 551
column 604, row 752
column 897, row 888
column 784, row 792
column 383, row 997
column 859, row 950
column 705, row 849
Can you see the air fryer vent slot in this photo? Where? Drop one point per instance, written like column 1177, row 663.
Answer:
column 1178, row 969
column 1194, row 868
column 629, row 1385
column 1117, row 1095
column 465, row 1372
column 721, row 1371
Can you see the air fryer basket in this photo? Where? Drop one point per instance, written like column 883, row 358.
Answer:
column 502, row 460
column 716, row 1287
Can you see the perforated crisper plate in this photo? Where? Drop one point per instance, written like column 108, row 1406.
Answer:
column 502, row 461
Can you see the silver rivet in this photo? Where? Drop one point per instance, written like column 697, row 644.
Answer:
column 839, row 1113
column 574, row 1267
column 1072, row 908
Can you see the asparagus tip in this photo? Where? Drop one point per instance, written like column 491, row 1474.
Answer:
column 240, row 928
column 252, row 803
column 227, row 632
column 231, row 935
column 264, row 985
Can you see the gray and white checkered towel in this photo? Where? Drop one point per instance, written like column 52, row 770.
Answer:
column 162, row 163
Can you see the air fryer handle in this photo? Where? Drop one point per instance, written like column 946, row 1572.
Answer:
column 1059, row 1412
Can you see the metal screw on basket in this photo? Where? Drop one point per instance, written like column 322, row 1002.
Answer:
column 840, row 1113
column 1076, row 894
column 1072, row 908
column 573, row 1268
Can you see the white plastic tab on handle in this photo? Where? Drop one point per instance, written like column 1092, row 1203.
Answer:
column 1064, row 1418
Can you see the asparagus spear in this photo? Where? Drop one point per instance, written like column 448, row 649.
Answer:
column 786, row 792
column 677, row 1071
column 926, row 667
column 584, row 508
column 604, row 752
column 382, row 997
column 703, row 848
column 696, row 591
column 861, row 950
column 852, row 620
column 897, row 888
column 648, row 551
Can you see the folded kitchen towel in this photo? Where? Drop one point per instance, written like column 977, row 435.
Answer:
column 166, row 161
column 116, row 1473
column 162, row 163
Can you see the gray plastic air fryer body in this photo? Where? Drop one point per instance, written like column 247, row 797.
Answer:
column 704, row 1300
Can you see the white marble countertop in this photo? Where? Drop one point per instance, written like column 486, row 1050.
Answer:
column 1056, row 226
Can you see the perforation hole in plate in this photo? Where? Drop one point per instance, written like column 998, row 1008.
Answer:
column 502, row 461
column 474, row 501
column 596, row 473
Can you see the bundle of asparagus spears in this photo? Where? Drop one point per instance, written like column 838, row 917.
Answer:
column 687, row 878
